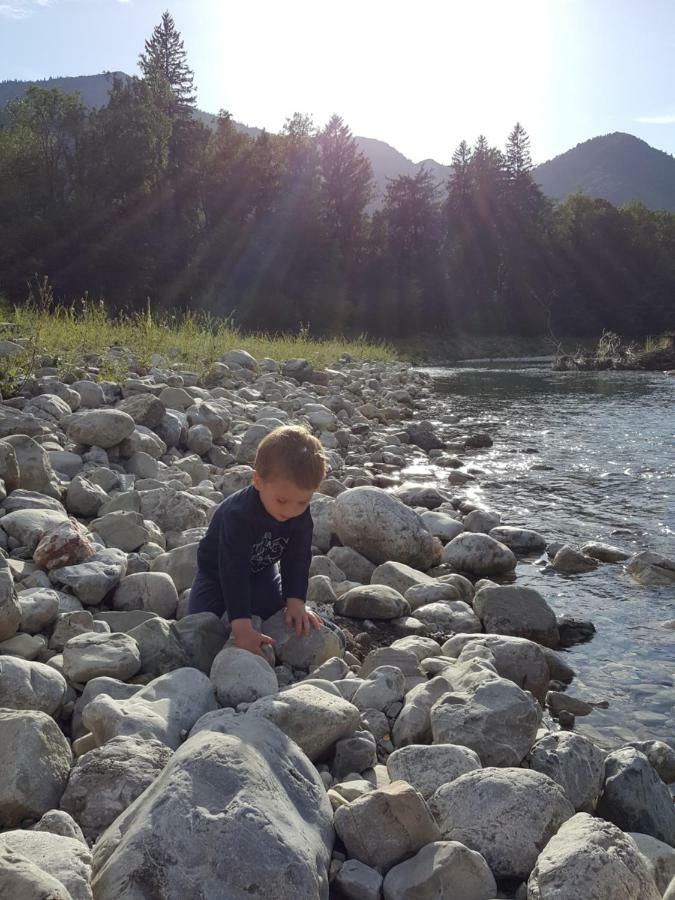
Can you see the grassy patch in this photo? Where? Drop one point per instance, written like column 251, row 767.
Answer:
column 72, row 334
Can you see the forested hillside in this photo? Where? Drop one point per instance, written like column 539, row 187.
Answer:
column 137, row 200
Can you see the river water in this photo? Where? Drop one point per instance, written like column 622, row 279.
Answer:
column 606, row 445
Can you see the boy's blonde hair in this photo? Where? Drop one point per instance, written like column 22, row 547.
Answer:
column 291, row 452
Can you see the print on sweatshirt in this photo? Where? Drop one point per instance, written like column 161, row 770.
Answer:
column 268, row 550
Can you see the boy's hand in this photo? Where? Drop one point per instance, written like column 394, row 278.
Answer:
column 247, row 638
column 299, row 617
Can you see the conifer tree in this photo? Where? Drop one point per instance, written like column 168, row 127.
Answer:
column 164, row 66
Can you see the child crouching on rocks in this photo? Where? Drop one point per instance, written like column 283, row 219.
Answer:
column 254, row 558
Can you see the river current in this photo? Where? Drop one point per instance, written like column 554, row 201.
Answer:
column 581, row 457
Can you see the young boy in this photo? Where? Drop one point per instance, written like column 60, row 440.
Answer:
column 254, row 558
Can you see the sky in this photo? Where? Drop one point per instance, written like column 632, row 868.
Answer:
column 419, row 75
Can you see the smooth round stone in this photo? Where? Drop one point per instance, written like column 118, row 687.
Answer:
column 374, row 601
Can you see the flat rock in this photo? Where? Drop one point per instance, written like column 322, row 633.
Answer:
column 306, row 651
column 93, row 655
column 517, row 611
column 165, row 709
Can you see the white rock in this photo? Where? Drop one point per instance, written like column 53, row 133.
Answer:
column 65, row 859
column 101, row 428
column 313, row 718
column 427, row 768
column 382, row 528
column 573, row 762
column 30, row 685
column 589, row 857
column 498, row 720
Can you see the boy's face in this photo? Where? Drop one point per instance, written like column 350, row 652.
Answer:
column 282, row 499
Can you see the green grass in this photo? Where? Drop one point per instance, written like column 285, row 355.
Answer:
column 195, row 341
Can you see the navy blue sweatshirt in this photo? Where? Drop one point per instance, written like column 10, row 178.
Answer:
column 243, row 539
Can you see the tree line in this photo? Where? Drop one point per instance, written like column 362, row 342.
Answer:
column 138, row 200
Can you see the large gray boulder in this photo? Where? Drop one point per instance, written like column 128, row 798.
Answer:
column 30, row 685
column 238, row 824
column 635, row 798
column 23, row 879
column 65, row 861
column 122, row 529
column 372, row 601
column 589, row 857
column 498, row 720
column 354, row 565
column 35, row 468
column 101, row 427
column 382, row 528
column 478, row 554
column 310, row 716
column 649, row 568
column 106, row 780
column 516, row 611
column 572, row 761
column 386, row 826
column 165, row 709
column 35, row 760
column 151, row 591
column 506, row 815
column 443, row 870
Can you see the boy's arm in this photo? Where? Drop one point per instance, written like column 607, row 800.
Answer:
column 295, row 561
column 294, row 565
column 234, row 572
column 234, row 568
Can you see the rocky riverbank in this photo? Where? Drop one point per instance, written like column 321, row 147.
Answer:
column 423, row 749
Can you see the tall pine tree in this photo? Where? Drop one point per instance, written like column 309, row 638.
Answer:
column 164, row 66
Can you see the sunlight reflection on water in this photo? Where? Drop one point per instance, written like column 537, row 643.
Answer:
column 603, row 470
